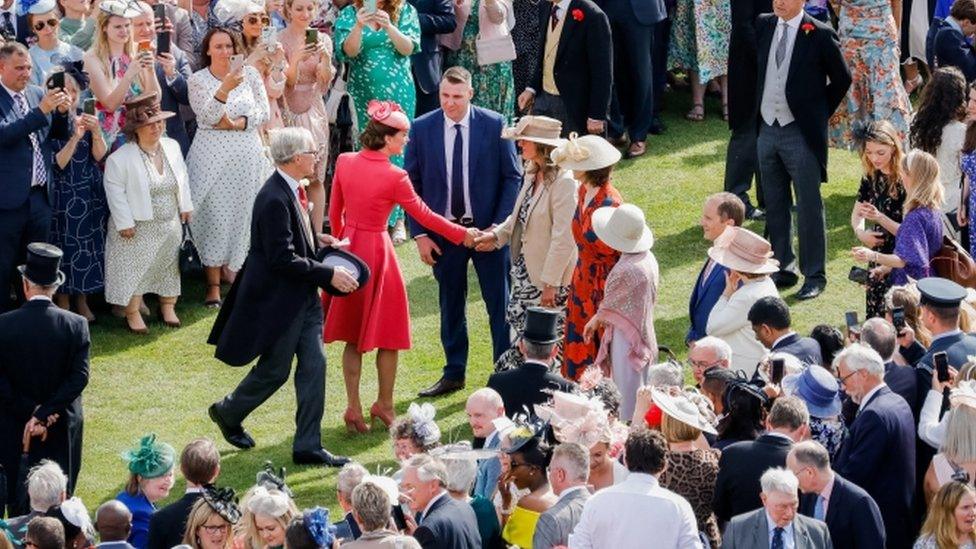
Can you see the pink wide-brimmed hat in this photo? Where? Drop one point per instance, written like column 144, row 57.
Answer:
column 745, row 251
column 388, row 113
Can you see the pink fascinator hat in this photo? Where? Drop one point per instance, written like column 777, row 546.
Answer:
column 576, row 418
column 388, row 113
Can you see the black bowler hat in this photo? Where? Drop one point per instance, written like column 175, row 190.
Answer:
column 540, row 325
column 940, row 292
column 43, row 264
column 337, row 257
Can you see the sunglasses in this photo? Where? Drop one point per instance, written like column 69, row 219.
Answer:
column 39, row 26
column 254, row 20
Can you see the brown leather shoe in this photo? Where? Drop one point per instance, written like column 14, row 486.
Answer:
column 443, row 386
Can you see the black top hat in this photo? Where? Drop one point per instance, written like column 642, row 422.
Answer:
column 540, row 325
column 940, row 292
column 337, row 257
column 43, row 264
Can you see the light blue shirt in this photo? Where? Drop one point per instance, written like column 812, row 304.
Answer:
column 44, row 61
column 488, row 470
column 788, row 541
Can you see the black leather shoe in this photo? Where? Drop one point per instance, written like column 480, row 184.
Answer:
column 784, row 279
column 755, row 214
column 657, row 126
column 319, row 457
column 810, row 290
column 443, row 386
column 235, row 436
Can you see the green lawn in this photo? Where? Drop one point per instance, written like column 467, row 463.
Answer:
column 164, row 382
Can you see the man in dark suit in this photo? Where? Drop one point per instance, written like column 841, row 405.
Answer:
column 879, row 452
column 436, row 17
column 532, row 382
column 42, row 402
column 575, row 75
column 200, row 465
column 801, row 80
column 274, row 311
column 880, row 335
column 947, row 43
column 25, row 161
column 350, row 476
column 742, row 464
column 462, row 168
column 770, row 319
column 441, row 522
column 851, row 515
column 721, row 210
column 13, row 25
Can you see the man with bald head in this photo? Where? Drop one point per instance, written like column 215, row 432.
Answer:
column 113, row 522
column 484, row 406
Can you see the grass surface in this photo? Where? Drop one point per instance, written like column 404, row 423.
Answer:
column 164, row 382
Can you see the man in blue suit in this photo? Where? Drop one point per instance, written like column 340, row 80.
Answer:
column 879, row 452
column 721, row 210
column 880, row 335
column 436, row 17
column 947, row 41
column 770, row 319
column 463, row 169
column 852, row 517
column 25, row 161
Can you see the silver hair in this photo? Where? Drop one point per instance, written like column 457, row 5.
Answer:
column 372, row 506
column 880, row 335
column 572, row 458
column 722, row 350
column 778, row 479
column 428, row 468
column 349, row 477
column 811, row 453
column 460, row 474
column 286, row 143
column 537, row 351
column 665, row 374
column 860, row 357
column 488, row 396
column 46, row 289
column 46, row 483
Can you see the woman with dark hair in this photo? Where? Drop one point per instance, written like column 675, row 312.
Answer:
column 376, row 316
column 529, row 455
column 938, row 128
column 311, row 530
column 831, row 342
column 415, row 433
column 744, row 405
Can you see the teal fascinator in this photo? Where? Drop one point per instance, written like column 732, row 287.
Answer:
column 150, row 459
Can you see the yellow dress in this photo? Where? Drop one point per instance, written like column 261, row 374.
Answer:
column 520, row 527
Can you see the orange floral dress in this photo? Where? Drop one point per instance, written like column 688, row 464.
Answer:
column 589, row 277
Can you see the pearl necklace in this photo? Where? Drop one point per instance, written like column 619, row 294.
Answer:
column 152, row 155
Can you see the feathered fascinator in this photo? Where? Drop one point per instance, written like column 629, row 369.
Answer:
column 317, row 525
column 422, row 417
column 577, row 418
column 964, row 394
column 528, row 429
column 230, row 13
column 388, row 113
column 224, row 502
column 273, row 480
column 75, row 69
column 268, row 502
column 150, row 459
column 121, row 8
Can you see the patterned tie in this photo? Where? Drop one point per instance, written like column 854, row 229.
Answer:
column 8, row 26
column 554, row 16
column 777, row 539
column 38, row 163
column 818, row 508
column 457, row 175
column 781, row 45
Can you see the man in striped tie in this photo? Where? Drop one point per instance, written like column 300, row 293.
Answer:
column 25, row 161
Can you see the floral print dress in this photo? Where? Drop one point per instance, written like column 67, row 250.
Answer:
column 113, row 121
column 874, row 190
column 700, row 37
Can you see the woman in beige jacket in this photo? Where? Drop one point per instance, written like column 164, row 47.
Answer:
column 538, row 231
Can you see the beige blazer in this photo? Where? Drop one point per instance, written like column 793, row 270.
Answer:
column 382, row 539
column 547, row 239
column 127, row 183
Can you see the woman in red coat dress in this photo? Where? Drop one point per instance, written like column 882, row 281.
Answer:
column 376, row 316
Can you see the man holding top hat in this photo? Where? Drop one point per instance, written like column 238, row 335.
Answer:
column 40, row 405
column 524, row 387
column 273, row 310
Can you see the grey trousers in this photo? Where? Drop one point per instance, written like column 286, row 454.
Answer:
column 304, row 340
column 790, row 169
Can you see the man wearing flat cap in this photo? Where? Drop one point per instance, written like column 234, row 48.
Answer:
column 532, row 382
column 41, row 403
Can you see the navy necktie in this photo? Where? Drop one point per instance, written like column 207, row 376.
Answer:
column 457, row 175
column 777, row 539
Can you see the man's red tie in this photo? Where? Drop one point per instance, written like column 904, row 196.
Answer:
column 302, row 197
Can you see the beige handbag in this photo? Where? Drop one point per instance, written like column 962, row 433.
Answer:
column 494, row 43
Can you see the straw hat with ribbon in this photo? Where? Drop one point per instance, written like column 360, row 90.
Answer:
column 538, row 129
column 743, row 250
column 144, row 110
column 582, row 154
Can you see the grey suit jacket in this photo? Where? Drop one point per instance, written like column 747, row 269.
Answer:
column 557, row 523
column 750, row 530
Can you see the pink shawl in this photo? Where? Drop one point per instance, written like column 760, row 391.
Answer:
column 628, row 309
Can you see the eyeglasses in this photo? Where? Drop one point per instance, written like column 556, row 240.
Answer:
column 214, row 529
column 254, row 20
column 843, row 380
column 39, row 26
column 701, row 364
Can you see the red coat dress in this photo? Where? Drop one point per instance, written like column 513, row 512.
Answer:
column 365, row 188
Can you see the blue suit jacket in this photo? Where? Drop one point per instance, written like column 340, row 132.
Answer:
column 646, row 12
column 448, row 524
column 947, row 47
column 436, row 17
column 16, row 154
column 879, row 456
column 804, row 348
column 903, row 381
column 494, row 173
column 174, row 94
column 853, row 518
column 703, row 298
column 488, row 471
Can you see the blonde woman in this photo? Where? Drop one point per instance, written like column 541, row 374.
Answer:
column 951, row 520
column 957, row 457
column 919, row 236
column 211, row 520
column 266, row 517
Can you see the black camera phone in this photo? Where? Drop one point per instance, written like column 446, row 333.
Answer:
column 776, row 372
column 162, row 42
column 859, row 275
column 56, row 81
column 898, row 318
column 159, row 12
column 941, row 362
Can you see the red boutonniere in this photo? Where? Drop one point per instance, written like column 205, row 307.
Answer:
column 577, row 14
column 807, row 27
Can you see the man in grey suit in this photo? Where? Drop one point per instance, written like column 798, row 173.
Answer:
column 778, row 521
column 569, row 471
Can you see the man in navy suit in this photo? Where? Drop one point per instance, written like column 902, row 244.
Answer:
column 462, row 168
column 947, row 41
column 13, row 26
column 25, row 161
column 879, row 452
column 442, row 522
column 200, row 465
column 880, row 335
column 852, row 517
column 436, row 17
column 721, row 210
column 770, row 319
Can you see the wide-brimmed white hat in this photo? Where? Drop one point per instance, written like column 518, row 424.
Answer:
column 538, row 129
column 682, row 409
column 743, row 250
column 582, row 154
column 121, row 8
column 623, row 228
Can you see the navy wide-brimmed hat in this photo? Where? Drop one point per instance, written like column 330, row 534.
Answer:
column 43, row 266
column 337, row 257
column 818, row 388
column 540, row 325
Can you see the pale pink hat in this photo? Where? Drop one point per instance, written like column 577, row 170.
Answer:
column 743, row 250
column 388, row 113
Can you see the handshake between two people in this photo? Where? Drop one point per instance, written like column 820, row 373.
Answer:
column 481, row 241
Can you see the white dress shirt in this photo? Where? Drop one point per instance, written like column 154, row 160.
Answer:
column 449, row 134
column 788, row 541
column 930, row 428
column 292, row 183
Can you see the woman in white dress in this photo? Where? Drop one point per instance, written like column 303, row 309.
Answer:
column 148, row 196
column 227, row 163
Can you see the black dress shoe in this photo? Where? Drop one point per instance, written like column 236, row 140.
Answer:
column 443, row 386
column 319, row 457
column 810, row 290
column 755, row 214
column 784, row 279
column 235, row 436
column 657, row 126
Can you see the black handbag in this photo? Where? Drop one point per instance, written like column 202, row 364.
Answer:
column 189, row 258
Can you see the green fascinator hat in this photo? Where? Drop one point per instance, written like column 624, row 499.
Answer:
column 150, row 459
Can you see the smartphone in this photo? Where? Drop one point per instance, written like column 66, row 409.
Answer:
column 898, row 318
column 159, row 12
column 941, row 362
column 162, row 43
column 776, row 372
column 859, row 275
column 311, row 37
column 399, row 512
column 850, row 320
column 145, row 46
column 370, row 6
column 89, row 106
column 56, row 81
column 236, row 62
